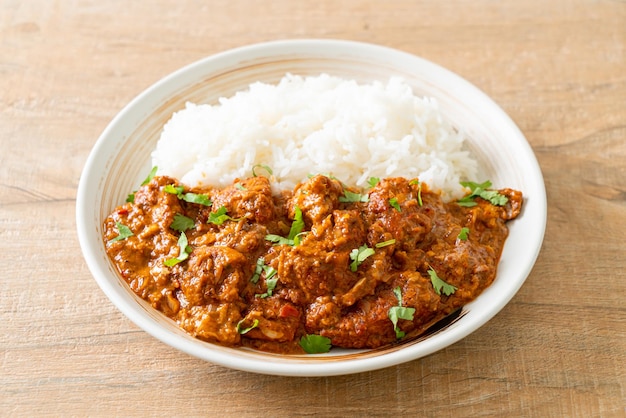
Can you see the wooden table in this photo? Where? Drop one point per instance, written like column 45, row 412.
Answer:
column 557, row 67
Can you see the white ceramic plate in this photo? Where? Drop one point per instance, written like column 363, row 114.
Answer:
column 120, row 160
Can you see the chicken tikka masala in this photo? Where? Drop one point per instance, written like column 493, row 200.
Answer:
column 319, row 266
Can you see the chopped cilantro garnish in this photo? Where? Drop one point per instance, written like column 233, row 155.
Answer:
column 373, row 181
column 358, row 255
column 480, row 190
column 124, row 232
column 181, row 223
column 385, row 243
column 396, row 313
column 394, row 204
column 297, row 225
column 240, row 186
column 349, row 197
column 439, row 285
column 246, row 330
column 183, row 251
column 219, row 217
column 200, row 199
column 295, row 232
column 419, row 190
column 277, row 239
column 170, row 188
column 463, row 234
column 315, row 344
column 131, row 196
column 270, row 282
column 150, row 176
column 258, row 269
column 263, row 166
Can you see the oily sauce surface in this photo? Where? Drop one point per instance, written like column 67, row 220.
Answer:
column 222, row 292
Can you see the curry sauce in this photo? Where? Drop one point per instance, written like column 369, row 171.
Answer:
column 249, row 268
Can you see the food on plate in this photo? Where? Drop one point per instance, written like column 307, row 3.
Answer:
column 322, row 124
column 318, row 266
column 235, row 240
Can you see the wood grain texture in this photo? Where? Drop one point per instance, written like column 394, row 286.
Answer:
column 558, row 68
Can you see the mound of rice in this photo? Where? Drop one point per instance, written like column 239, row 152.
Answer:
column 308, row 125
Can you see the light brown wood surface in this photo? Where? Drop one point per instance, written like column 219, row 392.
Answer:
column 557, row 67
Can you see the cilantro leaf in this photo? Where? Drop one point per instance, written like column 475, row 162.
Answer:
column 494, row 197
column 358, row 255
column 258, row 269
column 295, row 231
column 124, row 232
column 131, row 196
column 373, row 181
column 270, row 282
column 219, row 217
column 150, row 176
column 181, row 223
column 200, row 199
column 394, row 204
column 183, row 251
column 246, row 330
column 463, row 234
column 263, row 166
column 297, row 225
column 385, row 243
column 277, row 239
column 480, row 190
column 439, row 285
column 170, row 188
column 396, row 313
column 350, row 197
column 315, row 344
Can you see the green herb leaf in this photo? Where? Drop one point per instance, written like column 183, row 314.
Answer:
column 467, row 202
column 373, row 181
column 263, row 166
column 183, row 251
column 130, row 198
column 295, row 232
column 494, row 197
column 480, row 190
column 150, row 176
column 181, row 223
column 171, row 189
column 396, row 313
column 240, row 186
column 358, row 255
column 270, row 282
column 200, row 199
column 219, row 217
column 297, row 225
column 474, row 186
column 260, row 262
column 315, row 344
column 463, row 234
column 394, row 204
column 124, row 232
column 246, row 330
column 439, row 285
column 278, row 240
column 350, row 197
column 385, row 243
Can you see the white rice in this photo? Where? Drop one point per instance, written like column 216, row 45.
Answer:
column 308, row 125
